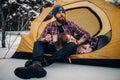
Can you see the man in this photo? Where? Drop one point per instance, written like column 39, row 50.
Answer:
column 46, row 44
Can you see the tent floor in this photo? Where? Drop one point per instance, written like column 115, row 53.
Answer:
column 61, row 71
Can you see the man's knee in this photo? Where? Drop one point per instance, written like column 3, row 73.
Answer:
column 37, row 43
column 72, row 47
column 72, row 44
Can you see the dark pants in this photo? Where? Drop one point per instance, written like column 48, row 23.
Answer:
column 44, row 47
column 70, row 48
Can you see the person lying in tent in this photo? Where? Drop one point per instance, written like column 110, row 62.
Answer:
column 47, row 44
column 64, row 38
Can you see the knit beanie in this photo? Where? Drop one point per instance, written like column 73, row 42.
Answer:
column 57, row 8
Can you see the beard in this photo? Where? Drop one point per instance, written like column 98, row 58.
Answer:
column 61, row 20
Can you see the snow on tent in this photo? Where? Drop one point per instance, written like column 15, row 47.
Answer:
column 96, row 16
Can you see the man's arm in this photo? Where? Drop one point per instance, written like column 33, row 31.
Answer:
column 45, row 36
column 82, row 35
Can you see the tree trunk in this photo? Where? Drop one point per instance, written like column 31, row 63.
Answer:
column 3, row 26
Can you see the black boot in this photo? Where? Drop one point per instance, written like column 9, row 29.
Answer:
column 45, row 62
column 33, row 71
column 28, row 63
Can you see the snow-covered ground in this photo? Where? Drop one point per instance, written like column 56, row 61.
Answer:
column 56, row 71
column 115, row 2
column 12, row 41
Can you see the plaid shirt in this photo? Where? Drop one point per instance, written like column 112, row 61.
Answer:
column 70, row 28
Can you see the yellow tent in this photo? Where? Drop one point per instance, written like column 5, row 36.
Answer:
column 96, row 16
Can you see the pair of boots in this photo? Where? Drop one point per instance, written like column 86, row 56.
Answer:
column 31, row 70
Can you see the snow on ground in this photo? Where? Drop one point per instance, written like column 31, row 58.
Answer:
column 12, row 41
column 61, row 71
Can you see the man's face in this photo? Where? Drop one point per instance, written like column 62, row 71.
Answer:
column 60, row 17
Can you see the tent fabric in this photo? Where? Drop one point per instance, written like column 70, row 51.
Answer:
column 95, row 16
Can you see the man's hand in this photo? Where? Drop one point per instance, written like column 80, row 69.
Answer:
column 72, row 39
column 48, row 38
column 82, row 40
